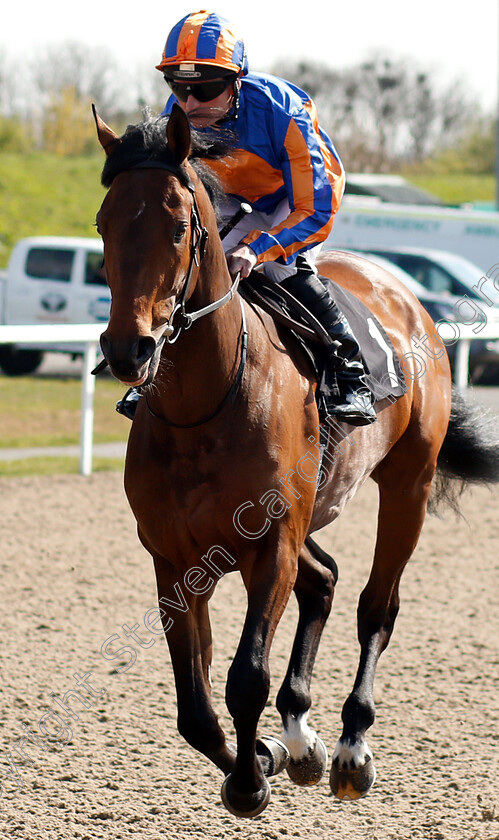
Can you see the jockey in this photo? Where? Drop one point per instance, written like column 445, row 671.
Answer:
column 283, row 164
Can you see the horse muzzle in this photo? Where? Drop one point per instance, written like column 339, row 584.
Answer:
column 133, row 361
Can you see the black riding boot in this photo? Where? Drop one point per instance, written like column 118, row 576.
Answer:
column 128, row 404
column 355, row 404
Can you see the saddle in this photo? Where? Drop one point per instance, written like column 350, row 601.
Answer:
column 384, row 373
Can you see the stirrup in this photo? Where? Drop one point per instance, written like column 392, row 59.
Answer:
column 357, row 409
column 353, row 402
column 128, row 404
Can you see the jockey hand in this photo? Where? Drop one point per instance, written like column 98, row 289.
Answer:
column 241, row 259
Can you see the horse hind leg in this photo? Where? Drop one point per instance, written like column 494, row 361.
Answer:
column 401, row 515
column 314, row 590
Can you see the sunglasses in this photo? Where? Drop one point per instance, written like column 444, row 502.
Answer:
column 202, row 91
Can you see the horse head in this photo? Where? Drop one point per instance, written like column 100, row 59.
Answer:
column 150, row 222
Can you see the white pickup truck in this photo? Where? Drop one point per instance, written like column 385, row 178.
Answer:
column 51, row 280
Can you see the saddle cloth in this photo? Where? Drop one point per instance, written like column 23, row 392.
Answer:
column 385, row 377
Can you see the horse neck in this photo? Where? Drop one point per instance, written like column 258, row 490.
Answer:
column 199, row 368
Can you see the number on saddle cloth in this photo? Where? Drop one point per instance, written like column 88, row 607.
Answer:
column 385, row 376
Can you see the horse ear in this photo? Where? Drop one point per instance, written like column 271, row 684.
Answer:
column 178, row 134
column 107, row 138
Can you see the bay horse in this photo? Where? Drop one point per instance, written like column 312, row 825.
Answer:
column 222, row 468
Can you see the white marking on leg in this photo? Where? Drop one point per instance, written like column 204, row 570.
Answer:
column 298, row 737
column 352, row 756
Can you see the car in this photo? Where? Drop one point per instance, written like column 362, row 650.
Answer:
column 484, row 354
column 439, row 306
column 444, row 272
column 51, row 280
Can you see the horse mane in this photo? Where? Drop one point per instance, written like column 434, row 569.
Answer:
column 146, row 141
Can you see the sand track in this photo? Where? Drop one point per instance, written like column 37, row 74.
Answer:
column 73, row 573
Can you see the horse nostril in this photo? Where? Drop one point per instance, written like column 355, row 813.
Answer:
column 127, row 356
column 145, row 348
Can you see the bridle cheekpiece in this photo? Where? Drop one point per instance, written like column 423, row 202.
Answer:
column 180, row 319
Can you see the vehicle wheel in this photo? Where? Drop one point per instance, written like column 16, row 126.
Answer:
column 16, row 362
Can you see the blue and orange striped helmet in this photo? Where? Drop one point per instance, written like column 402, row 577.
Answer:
column 202, row 44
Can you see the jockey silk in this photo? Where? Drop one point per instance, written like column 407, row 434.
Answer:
column 280, row 153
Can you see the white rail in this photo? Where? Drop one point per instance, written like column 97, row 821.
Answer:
column 89, row 334
column 466, row 333
column 78, row 334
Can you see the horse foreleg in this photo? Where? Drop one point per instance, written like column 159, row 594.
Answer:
column 188, row 635
column 401, row 515
column 314, row 590
column 269, row 581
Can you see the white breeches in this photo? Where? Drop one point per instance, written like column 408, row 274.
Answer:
column 263, row 221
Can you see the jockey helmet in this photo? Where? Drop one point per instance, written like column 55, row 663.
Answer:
column 203, row 46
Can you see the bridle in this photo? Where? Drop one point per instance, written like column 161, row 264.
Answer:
column 199, row 237
column 170, row 331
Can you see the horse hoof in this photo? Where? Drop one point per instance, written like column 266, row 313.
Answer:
column 310, row 769
column 349, row 784
column 245, row 804
column 275, row 754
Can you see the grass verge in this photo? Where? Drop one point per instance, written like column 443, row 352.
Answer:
column 47, row 194
column 55, row 466
column 38, row 411
column 456, row 189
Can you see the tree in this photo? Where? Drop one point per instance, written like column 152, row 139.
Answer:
column 383, row 113
column 71, row 76
column 68, row 128
column 88, row 70
column 68, row 78
column 13, row 136
column 473, row 153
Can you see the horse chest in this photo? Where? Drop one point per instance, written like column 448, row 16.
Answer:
column 190, row 487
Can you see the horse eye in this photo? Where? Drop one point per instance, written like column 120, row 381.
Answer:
column 179, row 232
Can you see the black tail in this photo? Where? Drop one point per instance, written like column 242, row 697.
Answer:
column 469, row 453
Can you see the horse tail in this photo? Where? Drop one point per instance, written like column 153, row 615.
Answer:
column 469, row 453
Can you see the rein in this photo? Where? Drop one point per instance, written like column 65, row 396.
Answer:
column 231, row 393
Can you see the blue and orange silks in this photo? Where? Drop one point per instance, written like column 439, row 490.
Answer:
column 280, row 153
